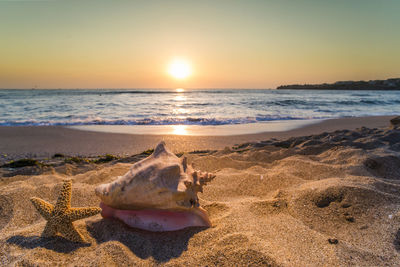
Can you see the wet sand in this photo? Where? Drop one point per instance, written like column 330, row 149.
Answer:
column 45, row 141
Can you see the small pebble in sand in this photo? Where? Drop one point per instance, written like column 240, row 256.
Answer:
column 333, row 241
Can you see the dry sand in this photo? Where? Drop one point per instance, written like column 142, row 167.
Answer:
column 331, row 199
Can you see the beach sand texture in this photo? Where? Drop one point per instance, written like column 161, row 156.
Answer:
column 331, row 199
column 44, row 141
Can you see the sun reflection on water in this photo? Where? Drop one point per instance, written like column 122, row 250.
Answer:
column 179, row 98
column 179, row 111
column 179, row 129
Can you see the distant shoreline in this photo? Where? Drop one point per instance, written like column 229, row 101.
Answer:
column 382, row 85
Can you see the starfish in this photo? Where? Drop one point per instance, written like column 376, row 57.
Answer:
column 60, row 217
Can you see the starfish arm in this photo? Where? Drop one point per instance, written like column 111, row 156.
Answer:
column 43, row 207
column 64, row 200
column 69, row 231
column 49, row 230
column 74, row 214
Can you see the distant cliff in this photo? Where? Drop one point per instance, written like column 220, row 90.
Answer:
column 389, row 84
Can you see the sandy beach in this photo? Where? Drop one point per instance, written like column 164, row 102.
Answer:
column 327, row 194
column 45, row 141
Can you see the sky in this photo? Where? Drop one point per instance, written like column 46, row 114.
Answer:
column 227, row 43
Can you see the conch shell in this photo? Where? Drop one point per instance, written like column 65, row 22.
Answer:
column 158, row 193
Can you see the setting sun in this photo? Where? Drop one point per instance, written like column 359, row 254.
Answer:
column 179, row 69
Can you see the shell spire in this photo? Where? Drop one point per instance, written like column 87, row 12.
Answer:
column 160, row 149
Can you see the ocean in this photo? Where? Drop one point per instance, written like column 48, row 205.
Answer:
column 187, row 107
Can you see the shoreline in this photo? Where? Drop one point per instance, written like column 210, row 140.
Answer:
column 201, row 130
column 45, row 141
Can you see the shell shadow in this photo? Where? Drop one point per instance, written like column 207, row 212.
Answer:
column 162, row 246
column 57, row 244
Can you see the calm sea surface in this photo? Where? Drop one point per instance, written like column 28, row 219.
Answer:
column 190, row 107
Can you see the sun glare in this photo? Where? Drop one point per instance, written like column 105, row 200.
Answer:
column 179, row 69
column 179, row 129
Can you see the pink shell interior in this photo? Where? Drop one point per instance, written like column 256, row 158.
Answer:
column 158, row 220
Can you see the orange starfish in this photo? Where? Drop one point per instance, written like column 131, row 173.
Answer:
column 60, row 217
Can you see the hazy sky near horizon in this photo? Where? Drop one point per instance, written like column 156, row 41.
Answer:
column 229, row 44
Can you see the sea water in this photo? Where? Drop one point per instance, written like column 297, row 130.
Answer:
column 187, row 107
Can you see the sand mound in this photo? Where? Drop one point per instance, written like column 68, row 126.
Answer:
column 331, row 199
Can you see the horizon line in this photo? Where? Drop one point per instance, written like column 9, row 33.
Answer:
column 143, row 88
